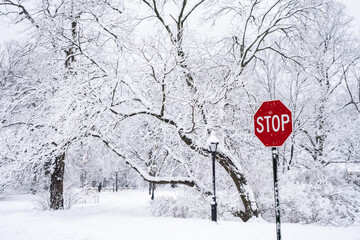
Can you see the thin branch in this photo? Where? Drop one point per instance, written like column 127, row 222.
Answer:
column 22, row 9
column 158, row 16
column 158, row 116
column 157, row 180
column 187, row 15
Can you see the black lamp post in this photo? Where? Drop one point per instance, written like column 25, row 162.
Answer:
column 213, row 144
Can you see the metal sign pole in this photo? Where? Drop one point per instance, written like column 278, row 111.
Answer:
column 275, row 158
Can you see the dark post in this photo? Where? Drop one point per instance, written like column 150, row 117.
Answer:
column 152, row 190
column 275, row 158
column 116, row 181
column 214, row 204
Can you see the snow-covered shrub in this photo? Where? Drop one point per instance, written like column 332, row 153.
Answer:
column 42, row 201
column 71, row 197
column 322, row 196
column 192, row 204
column 229, row 203
column 185, row 205
column 89, row 195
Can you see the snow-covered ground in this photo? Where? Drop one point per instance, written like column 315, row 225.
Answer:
column 125, row 215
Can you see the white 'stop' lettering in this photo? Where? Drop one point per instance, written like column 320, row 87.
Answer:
column 272, row 123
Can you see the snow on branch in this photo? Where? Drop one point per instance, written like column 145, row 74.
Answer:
column 146, row 176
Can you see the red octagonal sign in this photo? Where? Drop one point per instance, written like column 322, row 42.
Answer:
column 273, row 123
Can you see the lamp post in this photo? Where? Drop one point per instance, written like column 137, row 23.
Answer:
column 213, row 144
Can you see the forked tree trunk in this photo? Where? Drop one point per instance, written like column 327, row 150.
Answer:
column 57, row 183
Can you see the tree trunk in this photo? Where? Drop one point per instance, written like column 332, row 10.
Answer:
column 245, row 192
column 57, row 183
column 242, row 187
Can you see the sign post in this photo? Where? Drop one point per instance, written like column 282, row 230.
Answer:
column 273, row 125
column 275, row 159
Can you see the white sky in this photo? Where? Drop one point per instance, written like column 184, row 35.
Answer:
column 8, row 31
column 353, row 6
column 11, row 32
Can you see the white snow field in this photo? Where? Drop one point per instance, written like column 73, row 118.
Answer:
column 125, row 215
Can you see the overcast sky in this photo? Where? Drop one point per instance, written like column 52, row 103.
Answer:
column 353, row 6
column 8, row 31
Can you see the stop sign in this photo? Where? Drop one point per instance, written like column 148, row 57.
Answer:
column 273, row 123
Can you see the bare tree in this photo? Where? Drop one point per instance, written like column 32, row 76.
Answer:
column 184, row 89
column 53, row 92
